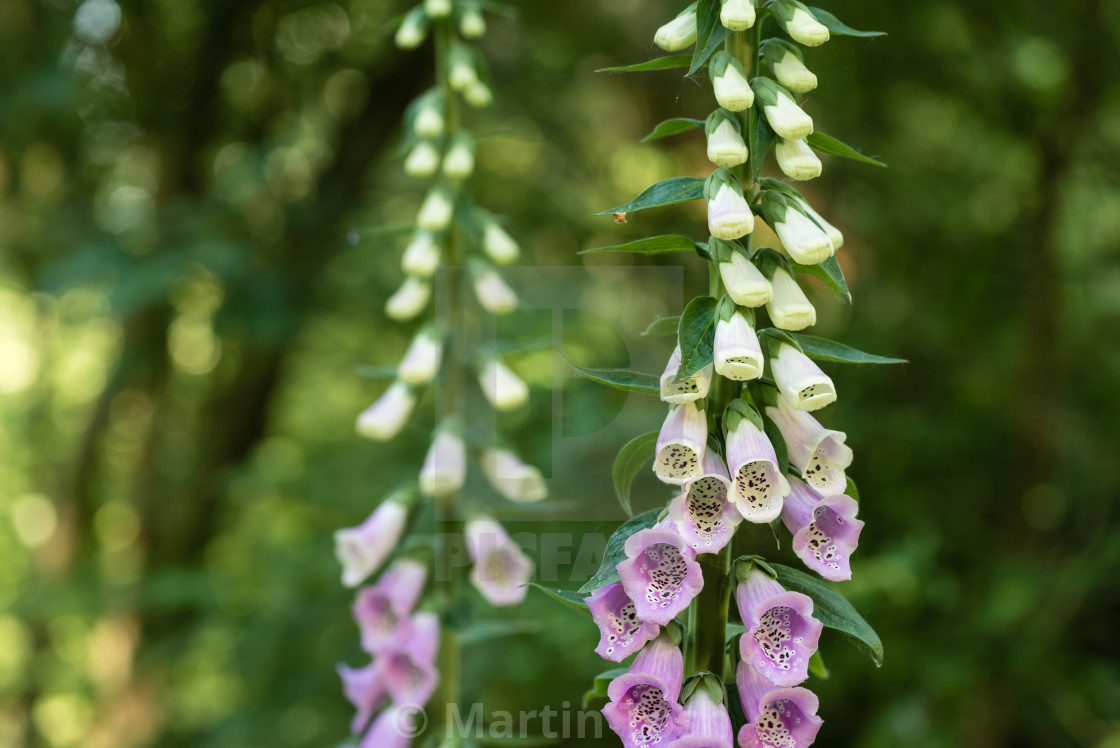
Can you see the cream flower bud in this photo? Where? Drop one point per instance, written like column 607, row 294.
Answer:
column 445, row 466
column 805, row 242
column 513, row 478
column 458, row 164
column 422, row 160
column 678, row 33
column 504, row 389
column 387, row 416
column 422, row 359
column 493, row 294
column 437, row 8
column 797, row 160
column 729, row 216
column 436, row 211
column 408, row 300
column 737, row 15
column 478, row 95
column 472, row 25
column 463, row 75
column 805, row 29
column 792, row 73
column 786, row 118
column 833, row 233
column 498, row 245
column 429, row 121
column 414, row 27
column 790, row 308
column 732, row 91
column 726, row 146
column 421, row 256
column 745, row 284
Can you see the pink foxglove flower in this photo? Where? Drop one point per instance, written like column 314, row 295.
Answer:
column 781, row 632
column 643, row 709
column 660, row 573
column 738, row 354
column 729, row 215
column 704, row 515
column 391, row 729
column 785, row 717
column 445, row 466
column 501, row 570
column 800, row 381
column 408, row 669
column 825, row 530
column 709, row 725
column 758, row 483
column 382, row 610
column 681, row 444
column 819, row 453
column 422, row 359
column 387, row 416
column 622, row 633
column 688, row 389
column 361, row 550
column 512, row 478
column 365, row 690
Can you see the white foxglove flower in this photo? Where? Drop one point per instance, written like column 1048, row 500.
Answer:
column 729, row 83
column 504, row 389
column 512, row 478
column 759, row 485
column 435, row 212
column 786, row 118
column 729, row 215
column 805, row 29
column 429, row 121
column 387, row 416
column 797, row 160
column 745, row 284
column 689, row 389
column 678, row 33
column 363, row 549
column 833, row 233
column 806, row 242
column 493, row 294
column 472, row 25
column 437, row 8
column 681, row 444
column 789, row 309
column 478, row 95
column 501, row 569
column 458, row 164
column 414, row 27
column 737, row 15
column 408, row 300
column 738, row 354
column 422, row 160
column 726, row 146
column 498, row 245
column 463, row 75
column 800, row 381
column 792, row 73
column 422, row 255
column 422, row 359
column 819, row 453
column 445, row 466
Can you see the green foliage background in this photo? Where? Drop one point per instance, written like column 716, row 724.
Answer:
column 181, row 316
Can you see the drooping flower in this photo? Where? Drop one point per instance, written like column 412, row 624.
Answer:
column 681, row 444
column 387, row 416
column 422, row 359
column 825, row 530
column 622, row 633
column 806, row 242
column 463, row 74
column 382, row 610
column 458, row 163
column 391, row 729
column 745, row 283
column 819, row 453
column 472, row 25
column 729, row 215
column 445, row 465
column 408, row 300
column 786, row 118
column 408, row 669
column 689, row 389
column 797, row 160
column 643, row 710
column 493, row 294
column 781, row 632
column 429, row 121
column 513, row 478
column 422, row 255
column 501, row 570
column 413, row 29
column 726, row 146
column 729, row 82
column 790, row 308
column 833, row 233
column 437, row 8
column 759, row 485
column 361, row 550
column 678, row 33
column 435, row 211
column 800, row 381
column 498, row 245
column 776, row 717
column 504, row 389
column 660, row 573
column 422, row 160
column 800, row 24
column 364, row 689
column 704, row 514
column 709, row 724
column 478, row 95
column 737, row 15
column 737, row 352
column 791, row 72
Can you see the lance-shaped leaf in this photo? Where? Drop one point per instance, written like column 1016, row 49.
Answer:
column 663, row 326
column 836, row 26
column 710, row 33
column 628, row 463
column 615, row 551
column 696, row 334
column 523, row 346
column 658, row 63
column 828, row 271
column 827, row 144
column 567, row 598
column 622, row 379
column 760, row 137
column 674, row 126
column 653, row 245
column 833, row 610
column 824, row 349
column 665, row 192
column 377, row 372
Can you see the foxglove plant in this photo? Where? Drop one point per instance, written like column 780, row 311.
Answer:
column 400, row 615
column 737, row 439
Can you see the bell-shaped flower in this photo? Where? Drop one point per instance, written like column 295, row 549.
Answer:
column 833, row 233
column 729, row 82
column 422, row 359
column 437, row 8
column 709, row 724
column 789, row 308
column 737, row 15
column 797, row 160
column 429, row 120
column 660, row 573
column 512, row 478
column 805, row 242
column 681, row 444
column 391, row 729
column 726, row 146
column 504, row 389
column 422, row 255
column 704, row 514
column 361, row 550
column 786, row 118
column 819, row 453
column 781, row 632
column 408, row 669
column 800, row 24
column 478, row 95
column 785, row 717
column 387, row 416
column 759, row 485
column 729, row 215
column 493, row 294
column 445, row 465
column 413, row 29
column 791, row 72
column 408, row 300
column 738, row 354
column 621, row 632
column 678, row 33
column 825, row 530
column 422, row 160
column 458, row 163
column 382, row 610
column 364, row 689
column 689, row 389
column 472, row 24
column 800, row 381
column 501, row 570
column 498, row 245
column 435, row 211
column 745, row 283
column 643, row 710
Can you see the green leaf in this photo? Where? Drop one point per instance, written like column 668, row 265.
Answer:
column 833, row 147
column 710, row 33
column 659, row 63
column 817, row 666
column 665, row 192
column 833, row 610
column 836, row 26
column 823, row 349
column 490, row 630
column 542, row 343
column 829, row 271
column 674, row 126
column 696, row 335
column 377, row 372
column 653, row 245
column 760, row 137
column 628, row 463
column 663, row 326
column 614, row 554
column 622, row 379
column 851, row 488
column 566, row 598
column 733, row 630
column 602, row 681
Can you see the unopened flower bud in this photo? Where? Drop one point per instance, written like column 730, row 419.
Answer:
column 422, row 160
column 806, row 29
column 806, row 243
column 445, row 466
column 387, row 416
column 493, row 294
column 408, row 300
column 678, row 33
column 513, row 478
column 833, row 233
column 478, row 95
column 413, row 29
column 429, row 121
column 458, row 164
column 725, row 145
column 745, row 284
column 729, row 216
column 435, row 213
column 472, row 25
column 789, row 309
column 504, row 389
column 422, row 359
column 437, row 8
column 498, row 245
column 797, row 160
column 729, row 83
column 792, row 73
column 737, row 15
column 786, row 118
column 463, row 75
column 421, row 256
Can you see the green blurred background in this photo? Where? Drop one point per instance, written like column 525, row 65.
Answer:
column 181, row 318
